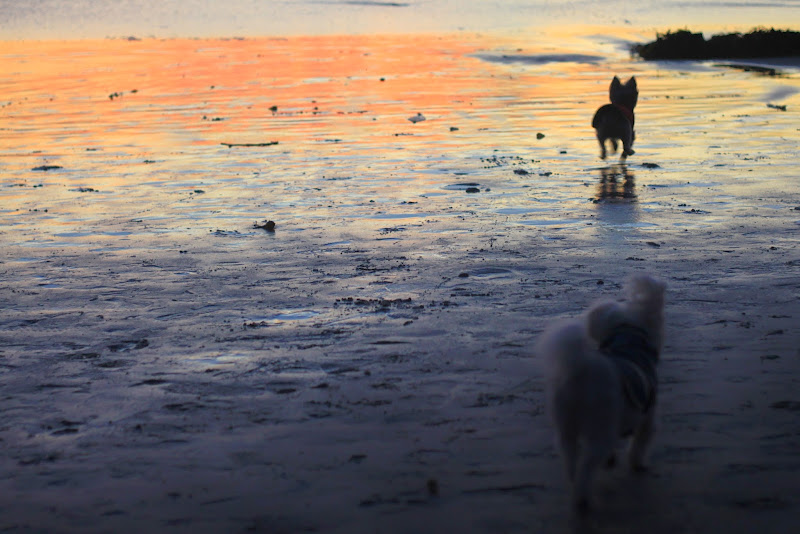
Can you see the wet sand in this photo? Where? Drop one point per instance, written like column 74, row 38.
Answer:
column 367, row 366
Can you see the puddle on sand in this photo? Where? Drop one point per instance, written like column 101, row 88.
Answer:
column 283, row 316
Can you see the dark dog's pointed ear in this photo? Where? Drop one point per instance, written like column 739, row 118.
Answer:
column 614, row 88
column 631, row 83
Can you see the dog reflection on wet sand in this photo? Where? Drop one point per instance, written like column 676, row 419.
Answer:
column 616, row 183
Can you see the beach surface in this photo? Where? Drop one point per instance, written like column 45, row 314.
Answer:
column 367, row 365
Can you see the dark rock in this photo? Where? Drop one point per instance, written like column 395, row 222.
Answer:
column 683, row 44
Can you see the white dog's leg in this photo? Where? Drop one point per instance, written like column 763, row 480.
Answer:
column 592, row 456
column 568, row 445
column 640, row 442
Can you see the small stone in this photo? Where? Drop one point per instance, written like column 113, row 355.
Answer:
column 268, row 226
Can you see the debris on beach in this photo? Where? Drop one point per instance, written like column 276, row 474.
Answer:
column 128, row 345
column 419, row 117
column 225, row 233
column 777, row 106
column 118, row 94
column 501, row 161
column 468, row 187
column 46, row 168
column 267, row 226
column 231, row 145
column 683, row 44
column 793, row 406
column 766, row 71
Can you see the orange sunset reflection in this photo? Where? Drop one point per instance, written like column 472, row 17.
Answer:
column 193, row 134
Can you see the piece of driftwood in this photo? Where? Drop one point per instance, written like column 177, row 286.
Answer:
column 231, row 145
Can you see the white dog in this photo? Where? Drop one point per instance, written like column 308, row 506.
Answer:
column 601, row 380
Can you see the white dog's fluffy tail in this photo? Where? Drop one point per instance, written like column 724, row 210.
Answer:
column 563, row 347
column 645, row 290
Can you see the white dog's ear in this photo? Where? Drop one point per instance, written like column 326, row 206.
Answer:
column 643, row 288
column 602, row 318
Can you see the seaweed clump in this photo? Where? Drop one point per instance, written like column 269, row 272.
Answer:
column 759, row 43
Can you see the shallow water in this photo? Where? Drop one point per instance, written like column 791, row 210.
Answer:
column 114, row 143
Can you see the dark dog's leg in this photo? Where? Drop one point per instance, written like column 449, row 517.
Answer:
column 602, row 142
column 627, row 143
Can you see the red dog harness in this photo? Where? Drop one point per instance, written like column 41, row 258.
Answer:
column 625, row 111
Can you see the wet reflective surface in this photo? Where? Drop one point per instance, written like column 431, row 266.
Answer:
column 167, row 363
column 109, row 143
